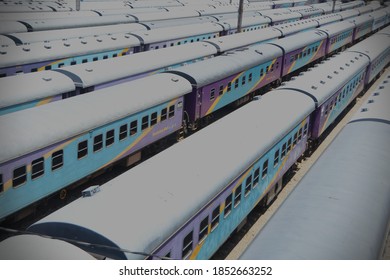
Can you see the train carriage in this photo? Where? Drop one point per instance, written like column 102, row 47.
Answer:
column 303, row 49
column 56, row 54
column 243, row 73
column 363, row 26
column 340, row 35
column 380, row 17
column 373, row 49
column 333, row 86
column 44, row 151
column 12, row 26
column 33, row 89
column 206, row 200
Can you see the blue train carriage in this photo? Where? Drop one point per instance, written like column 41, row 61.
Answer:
column 171, row 36
column 377, row 49
column 340, row 35
column 332, row 213
column 33, row 89
column 333, row 85
column 33, row 247
column 95, row 75
column 43, row 152
column 68, row 33
column 363, row 27
column 300, row 50
column 191, row 216
column 41, row 56
column 227, row 79
column 75, row 22
column 243, row 39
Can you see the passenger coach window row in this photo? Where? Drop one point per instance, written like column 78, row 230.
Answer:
column 184, row 42
column 345, row 92
column 57, row 158
column 303, row 53
column 243, row 80
column 233, row 200
column 340, row 37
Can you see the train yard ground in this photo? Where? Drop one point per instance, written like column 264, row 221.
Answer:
column 237, row 244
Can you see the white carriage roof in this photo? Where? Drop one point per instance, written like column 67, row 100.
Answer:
column 378, row 13
column 59, row 34
column 365, row 9
column 372, row 47
column 276, row 16
column 32, row 247
column 42, row 15
column 377, row 105
column 32, row 86
column 348, row 13
column 40, row 51
column 246, row 21
column 327, row 18
column 35, row 128
column 177, row 22
column 300, row 40
column 337, row 27
column 177, row 32
column 322, row 82
column 361, row 19
column 62, row 23
column 99, row 72
column 6, row 41
column 217, row 68
column 11, row 26
column 185, row 177
column 234, row 41
column 164, row 15
column 293, row 27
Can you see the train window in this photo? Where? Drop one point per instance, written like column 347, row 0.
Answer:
column 220, row 89
column 300, row 134
column 212, row 94
column 145, row 122
column 250, row 77
column 266, row 69
column 187, row 245
column 204, row 228
column 97, row 143
column 123, row 132
column 105, row 56
column 248, row 185
column 133, row 127
column 215, row 218
column 236, row 83
column 124, row 53
column 178, row 43
column 304, row 54
column 48, row 67
column 82, row 149
column 95, row 58
column 284, row 148
column 115, row 55
column 289, row 147
column 228, row 205
column 316, row 48
column 172, row 44
column 153, row 118
column 164, row 114
column 265, row 169
column 305, row 129
column 156, row 47
column 85, row 60
column 308, row 51
column 110, row 137
column 261, row 72
column 256, row 176
column 326, row 109
column 243, row 80
column 57, row 160
column 276, row 158
column 229, row 87
column 2, row 75
column 37, row 168
column 61, row 65
column 237, row 196
column 73, row 62
column 1, row 183
column 19, row 176
column 171, row 112
column 295, row 138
